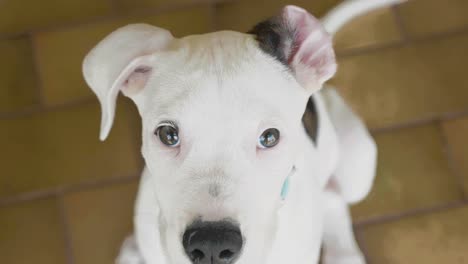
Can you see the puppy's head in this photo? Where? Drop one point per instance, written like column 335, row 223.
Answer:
column 222, row 125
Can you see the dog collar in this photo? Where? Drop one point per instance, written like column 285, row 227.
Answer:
column 286, row 184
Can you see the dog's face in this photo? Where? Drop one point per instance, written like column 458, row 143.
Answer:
column 220, row 122
column 222, row 125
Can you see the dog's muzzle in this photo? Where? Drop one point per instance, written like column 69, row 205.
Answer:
column 213, row 242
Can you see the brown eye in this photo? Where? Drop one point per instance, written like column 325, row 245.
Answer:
column 269, row 138
column 168, row 134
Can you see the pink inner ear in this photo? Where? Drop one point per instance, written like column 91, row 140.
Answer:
column 136, row 80
column 312, row 50
column 301, row 21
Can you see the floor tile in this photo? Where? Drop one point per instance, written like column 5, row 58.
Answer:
column 31, row 232
column 58, row 148
column 404, row 84
column 456, row 132
column 430, row 239
column 23, row 15
column 99, row 221
column 18, row 89
column 434, row 16
column 412, row 173
column 145, row 4
column 376, row 28
column 61, row 53
column 242, row 15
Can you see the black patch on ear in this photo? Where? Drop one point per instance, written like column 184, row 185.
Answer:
column 310, row 120
column 274, row 38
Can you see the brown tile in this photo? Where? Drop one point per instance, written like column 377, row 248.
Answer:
column 58, row 148
column 18, row 88
column 376, row 28
column 100, row 219
column 404, row 84
column 243, row 15
column 32, row 233
column 434, row 16
column 412, row 173
column 23, row 15
column 126, row 5
column 60, row 53
column 430, row 239
column 456, row 132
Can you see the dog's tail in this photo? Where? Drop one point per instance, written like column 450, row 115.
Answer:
column 349, row 9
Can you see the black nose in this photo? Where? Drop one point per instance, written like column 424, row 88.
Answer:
column 212, row 242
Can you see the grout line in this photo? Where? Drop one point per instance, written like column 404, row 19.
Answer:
column 29, row 196
column 62, row 190
column 358, row 224
column 454, row 168
column 351, row 52
column 40, row 95
column 67, row 235
column 28, row 110
column 405, row 125
column 400, row 23
column 21, row 113
column 358, row 234
column 419, row 122
column 213, row 16
column 13, row 36
column 216, row 4
column 454, row 115
column 114, row 6
column 402, row 43
column 441, row 35
column 113, row 16
column 102, row 183
column 45, row 109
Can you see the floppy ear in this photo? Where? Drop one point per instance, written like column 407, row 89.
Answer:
column 122, row 62
column 298, row 40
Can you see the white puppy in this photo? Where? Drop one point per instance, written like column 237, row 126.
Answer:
column 246, row 161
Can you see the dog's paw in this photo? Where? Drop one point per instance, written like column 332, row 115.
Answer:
column 354, row 258
column 129, row 253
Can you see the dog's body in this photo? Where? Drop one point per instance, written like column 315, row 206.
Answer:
column 343, row 148
column 271, row 201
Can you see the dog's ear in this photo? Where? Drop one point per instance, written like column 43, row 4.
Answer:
column 122, row 62
column 298, row 40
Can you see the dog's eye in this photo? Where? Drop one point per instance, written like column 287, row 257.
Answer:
column 269, row 138
column 168, row 134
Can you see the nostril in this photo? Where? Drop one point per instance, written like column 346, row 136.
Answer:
column 197, row 255
column 226, row 254
column 212, row 242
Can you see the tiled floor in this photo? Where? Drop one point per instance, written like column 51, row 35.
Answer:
column 65, row 197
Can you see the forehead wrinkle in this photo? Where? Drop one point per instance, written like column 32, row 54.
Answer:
column 196, row 59
column 219, row 53
column 222, row 63
column 221, row 99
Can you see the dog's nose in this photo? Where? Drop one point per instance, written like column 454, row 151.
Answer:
column 213, row 242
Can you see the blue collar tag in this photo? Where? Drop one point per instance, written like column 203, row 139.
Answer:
column 285, row 188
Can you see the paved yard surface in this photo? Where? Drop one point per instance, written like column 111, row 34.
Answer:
column 65, row 197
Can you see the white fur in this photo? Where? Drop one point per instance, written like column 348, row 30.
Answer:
column 223, row 92
column 347, row 10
